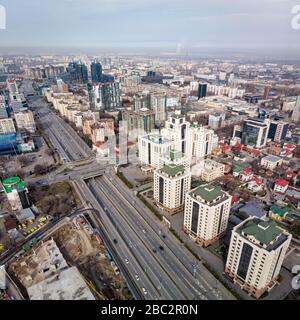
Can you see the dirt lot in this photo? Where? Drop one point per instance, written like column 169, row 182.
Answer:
column 56, row 199
column 80, row 246
column 86, row 251
column 134, row 174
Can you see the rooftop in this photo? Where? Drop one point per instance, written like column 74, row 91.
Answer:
column 173, row 154
column 156, row 138
column 208, row 193
column 3, row 113
column 238, row 170
column 172, row 170
column 177, row 114
column 272, row 158
column 13, row 183
column 264, row 231
column 279, row 211
column 281, row 182
column 68, row 285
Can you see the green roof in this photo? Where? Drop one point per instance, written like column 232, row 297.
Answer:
column 13, row 183
column 208, row 193
column 279, row 211
column 177, row 116
column 263, row 231
column 172, row 170
column 238, row 170
column 293, row 215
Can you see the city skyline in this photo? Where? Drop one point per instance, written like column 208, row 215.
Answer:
column 152, row 25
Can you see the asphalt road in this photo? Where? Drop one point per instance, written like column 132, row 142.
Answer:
column 154, row 260
column 64, row 139
column 134, row 268
column 175, row 265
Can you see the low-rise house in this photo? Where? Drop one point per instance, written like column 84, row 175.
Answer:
column 247, row 175
column 288, row 150
column 237, row 171
column 271, row 162
column 283, row 214
column 281, row 186
column 278, row 213
column 256, row 184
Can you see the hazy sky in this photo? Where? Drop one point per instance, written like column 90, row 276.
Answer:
column 173, row 23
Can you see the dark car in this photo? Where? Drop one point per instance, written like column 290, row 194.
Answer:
column 161, row 248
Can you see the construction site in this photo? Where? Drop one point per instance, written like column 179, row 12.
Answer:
column 73, row 251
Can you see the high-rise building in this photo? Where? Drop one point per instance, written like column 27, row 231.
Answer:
column 171, row 183
column 174, row 158
column 159, row 106
column 296, row 111
column 25, row 121
column 139, row 122
column 206, row 214
column 254, row 132
column 278, row 130
column 256, row 253
column 17, row 193
column 202, row 90
column 177, row 130
column 78, row 72
column 105, row 96
column 96, row 72
column 151, row 147
column 141, row 101
column 200, row 142
column 6, row 123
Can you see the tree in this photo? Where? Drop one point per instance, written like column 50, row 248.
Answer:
column 49, row 152
column 64, row 208
column 23, row 160
column 40, row 169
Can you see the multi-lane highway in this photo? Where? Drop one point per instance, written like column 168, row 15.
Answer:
column 135, row 269
column 175, row 271
column 151, row 258
column 64, row 139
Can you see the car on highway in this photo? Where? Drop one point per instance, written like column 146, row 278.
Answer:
column 154, row 250
column 126, row 261
column 137, row 277
column 161, row 248
column 115, row 241
column 145, row 291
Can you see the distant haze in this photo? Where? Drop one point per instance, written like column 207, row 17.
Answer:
column 158, row 25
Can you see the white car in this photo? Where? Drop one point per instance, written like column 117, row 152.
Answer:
column 145, row 291
column 137, row 277
column 126, row 261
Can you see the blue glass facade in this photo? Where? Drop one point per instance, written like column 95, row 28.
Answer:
column 8, row 143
